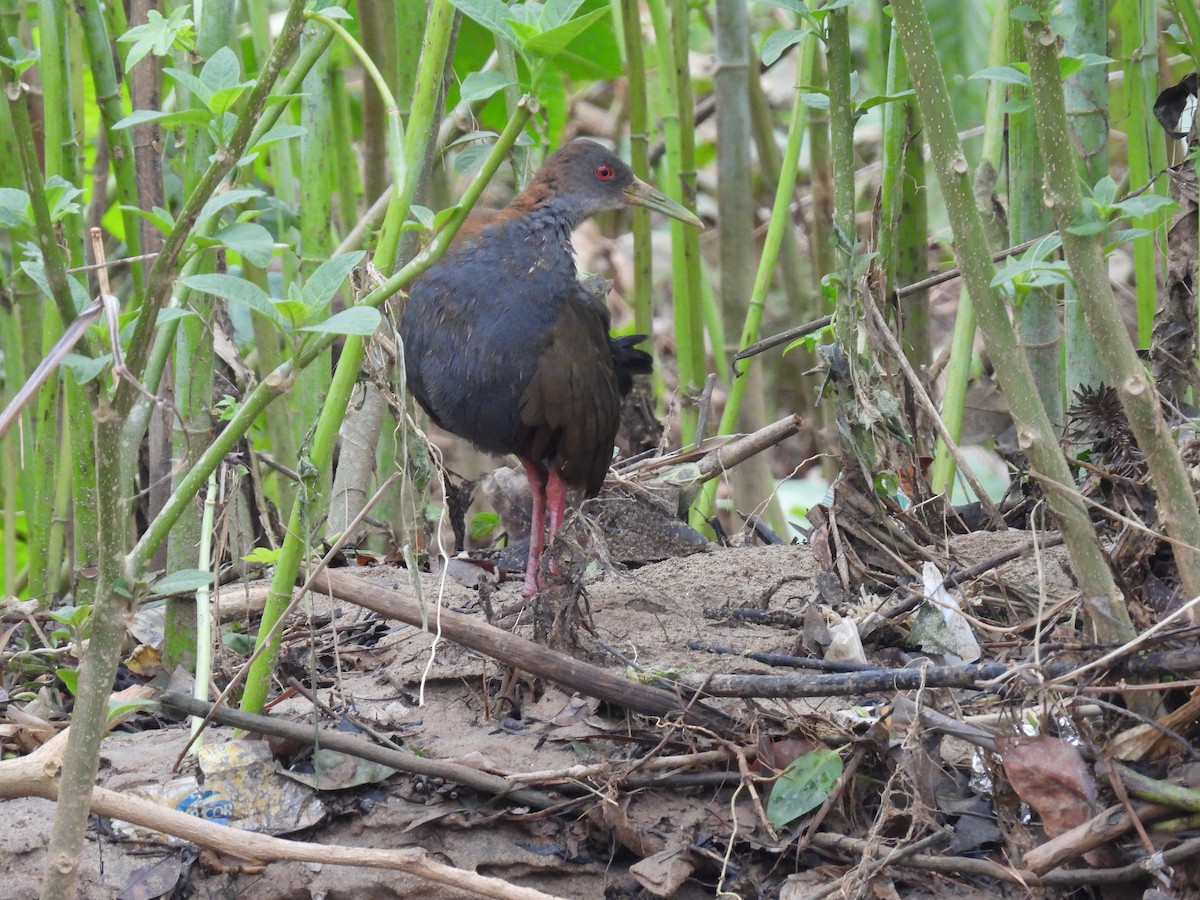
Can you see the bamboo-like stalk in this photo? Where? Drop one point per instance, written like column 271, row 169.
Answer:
column 1176, row 503
column 780, row 223
column 962, row 341
column 693, row 263
column 685, row 307
column 317, row 188
column 110, row 608
column 901, row 239
column 1109, row 618
column 426, row 103
column 735, row 198
column 345, row 178
column 377, row 32
column 639, row 145
column 193, row 373
column 43, row 579
column 1145, row 149
column 1028, row 218
column 1086, row 96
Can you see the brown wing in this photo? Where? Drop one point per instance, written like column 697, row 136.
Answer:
column 571, row 409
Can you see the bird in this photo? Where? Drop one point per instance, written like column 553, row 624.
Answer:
column 504, row 347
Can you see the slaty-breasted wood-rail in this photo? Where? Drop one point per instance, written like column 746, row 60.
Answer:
column 505, row 348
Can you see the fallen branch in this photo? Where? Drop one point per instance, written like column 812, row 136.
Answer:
column 886, row 680
column 1097, row 831
column 484, row 782
column 571, row 673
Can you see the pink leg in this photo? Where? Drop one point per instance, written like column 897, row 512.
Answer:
column 556, row 499
column 537, row 530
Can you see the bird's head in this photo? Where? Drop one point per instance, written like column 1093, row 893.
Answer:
column 590, row 179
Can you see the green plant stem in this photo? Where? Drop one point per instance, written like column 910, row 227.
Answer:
column 639, row 160
column 1086, row 97
column 693, row 262
column 962, row 341
column 110, row 608
column 1176, row 505
column 1145, row 149
column 281, row 380
column 1028, row 218
column 1109, row 618
column 685, row 306
column 421, row 126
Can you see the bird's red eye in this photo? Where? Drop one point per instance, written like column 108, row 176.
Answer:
column 605, row 172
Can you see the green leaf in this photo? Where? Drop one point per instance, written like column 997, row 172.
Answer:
column 14, row 207
column 236, row 290
column 293, row 311
column 70, row 678
column 171, row 314
column 228, row 198
column 324, row 282
column 360, row 320
column 1015, row 106
column 1003, row 74
column 483, row 525
column 250, row 241
column 1145, row 205
column 60, row 197
column 803, row 786
column 1086, row 226
column 880, row 99
column 470, row 159
column 37, row 272
column 221, row 71
column 274, row 136
column 264, row 555
column 19, row 57
column 118, row 709
column 1025, row 13
column 778, row 42
column 199, row 89
column 85, row 368
column 550, row 43
column 239, row 642
column 1069, row 65
column 1104, row 193
column 815, row 99
column 423, row 215
column 555, row 12
column 791, row 5
column 185, row 581
column 159, row 35
column 223, row 99
column 481, row 85
column 158, row 217
column 168, row 119
column 1124, row 235
column 491, row 14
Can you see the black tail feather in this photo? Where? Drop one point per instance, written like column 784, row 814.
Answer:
column 628, row 360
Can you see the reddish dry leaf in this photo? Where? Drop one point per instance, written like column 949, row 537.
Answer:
column 1051, row 776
